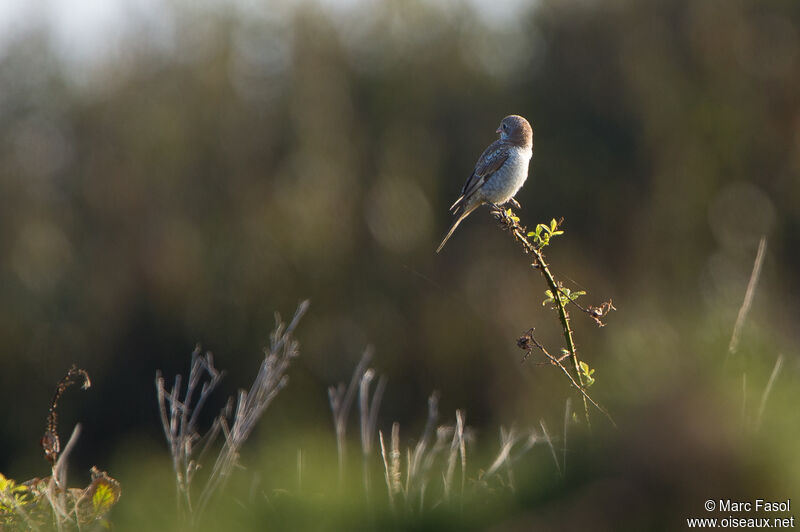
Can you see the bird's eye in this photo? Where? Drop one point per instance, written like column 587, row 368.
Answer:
column 505, row 127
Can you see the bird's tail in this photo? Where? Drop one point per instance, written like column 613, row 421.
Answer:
column 453, row 227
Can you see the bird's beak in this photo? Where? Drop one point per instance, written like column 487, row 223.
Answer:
column 498, row 130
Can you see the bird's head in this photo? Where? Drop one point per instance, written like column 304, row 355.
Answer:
column 517, row 130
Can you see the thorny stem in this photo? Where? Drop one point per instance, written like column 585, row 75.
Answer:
column 50, row 442
column 557, row 362
column 510, row 223
column 563, row 316
column 596, row 313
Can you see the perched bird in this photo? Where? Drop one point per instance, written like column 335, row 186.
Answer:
column 499, row 173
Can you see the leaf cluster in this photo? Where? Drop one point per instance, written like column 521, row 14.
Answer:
column 543, row 233
column 39, row 502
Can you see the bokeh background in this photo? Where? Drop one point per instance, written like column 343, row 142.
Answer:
column 174, row 172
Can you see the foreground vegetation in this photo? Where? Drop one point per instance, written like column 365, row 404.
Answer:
column 447, row 476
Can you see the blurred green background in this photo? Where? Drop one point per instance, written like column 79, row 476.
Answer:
column 174, row 172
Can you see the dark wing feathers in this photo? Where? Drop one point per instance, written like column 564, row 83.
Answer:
column 490, row 160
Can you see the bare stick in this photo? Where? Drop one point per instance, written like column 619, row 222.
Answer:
column 764, row 396
column 386, row 471
column 462, row 451
column 57, row 485
column 550, row 444
column 456, row 446
column 394, row 464
column 423, row 456
column 507, row 440
column 368, row 413
column 748, row 297
column 341, row 401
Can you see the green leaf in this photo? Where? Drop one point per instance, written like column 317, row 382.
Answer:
column 575, row 295
column 13, row 495
column 5, row 483
column 103, row 498
column 550, row 298
column 587, row 373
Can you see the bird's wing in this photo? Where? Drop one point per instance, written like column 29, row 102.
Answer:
column 490, row 160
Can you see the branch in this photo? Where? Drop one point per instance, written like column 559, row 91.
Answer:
column 509, row 222
column 528, row 339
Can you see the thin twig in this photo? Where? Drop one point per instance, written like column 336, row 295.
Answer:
column 396, row 473
column 368, row 413
column 507, row 440
column 557, row 362
column 748, row 297
column 422, row 458
column 57, row 485
column 60, row 467
column 341, row 401
column 567, row 410
column 764, row 396
column 549, row 441
column 455, row 446
column 744, row 400
column 462, row 451
column 387, row 475
column 595, row 312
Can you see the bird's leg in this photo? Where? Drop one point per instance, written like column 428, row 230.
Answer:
column 514, row 203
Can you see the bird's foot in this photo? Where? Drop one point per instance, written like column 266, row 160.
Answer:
column 514, row 203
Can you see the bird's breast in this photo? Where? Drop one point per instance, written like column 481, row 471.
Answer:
column 509, row 178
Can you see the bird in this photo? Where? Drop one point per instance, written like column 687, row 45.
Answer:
column 499, row 173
